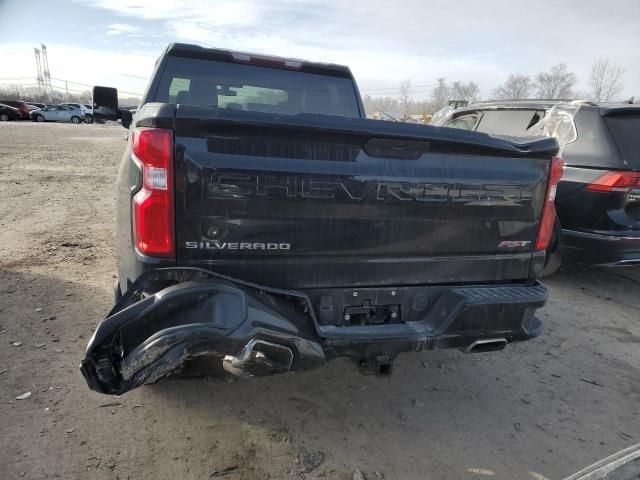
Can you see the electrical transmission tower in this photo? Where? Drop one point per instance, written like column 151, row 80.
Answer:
column 45, row 65
column 39, row 78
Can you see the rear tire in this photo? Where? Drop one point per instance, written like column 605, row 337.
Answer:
column 39, row 118
column 4, row 117
column 88, row 118
column 75, row 119
column 553, row 259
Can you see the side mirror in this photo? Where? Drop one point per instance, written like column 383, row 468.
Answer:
column 126, row 118
column 105, row 104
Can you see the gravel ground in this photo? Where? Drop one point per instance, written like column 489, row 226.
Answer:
column 540, row 409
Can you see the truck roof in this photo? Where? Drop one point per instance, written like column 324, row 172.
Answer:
column 196, row 51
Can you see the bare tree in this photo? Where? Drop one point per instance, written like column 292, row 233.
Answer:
column 421, row 107
column 558, row 82
column 605, row 80
column 12, row 92
column 377, row 104
column 465, row 91
column 515, row 87
column 405, row 92
column 33, row 94
column 440, row 95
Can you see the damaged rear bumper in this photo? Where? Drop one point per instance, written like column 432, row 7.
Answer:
column 171, row 315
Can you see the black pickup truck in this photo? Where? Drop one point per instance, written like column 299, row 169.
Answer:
column 264, row 223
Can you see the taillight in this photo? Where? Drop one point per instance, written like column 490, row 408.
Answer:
column 549, row 210
column 153, row 228
column 615, row 182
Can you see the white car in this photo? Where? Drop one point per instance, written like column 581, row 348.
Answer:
column 58, row 113
column 87, row 110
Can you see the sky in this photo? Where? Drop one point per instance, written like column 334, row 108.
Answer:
column 116, row 42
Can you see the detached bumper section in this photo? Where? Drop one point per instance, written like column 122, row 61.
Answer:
column 169, row 316
column 613, row 249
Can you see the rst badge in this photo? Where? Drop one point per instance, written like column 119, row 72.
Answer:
column 514, row 243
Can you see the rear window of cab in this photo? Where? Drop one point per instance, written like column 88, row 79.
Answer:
column 255, row 88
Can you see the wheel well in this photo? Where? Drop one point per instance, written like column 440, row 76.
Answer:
column 556, row 236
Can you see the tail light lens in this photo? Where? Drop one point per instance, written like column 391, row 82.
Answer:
column 549, row 210
column 153, row 227
column 615, row 182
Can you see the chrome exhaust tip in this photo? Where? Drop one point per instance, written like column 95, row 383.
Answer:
column 486, row 345
column 259, row 357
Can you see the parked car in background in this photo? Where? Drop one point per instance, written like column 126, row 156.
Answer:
column 58, row 113
column 35, row 105
column 9, row 113
column 88, row 116
column 598, row 198
column 20, row 105
column 87, row 110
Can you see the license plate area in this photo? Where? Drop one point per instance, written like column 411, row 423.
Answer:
column 371, row 314
column 356, row 307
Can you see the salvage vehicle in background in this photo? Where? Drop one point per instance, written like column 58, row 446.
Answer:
column 263, row 223
column 35, row 105
column 598, row 198
column 57, row 113
column 22, row 107
column 87, row 110
column 9, row 113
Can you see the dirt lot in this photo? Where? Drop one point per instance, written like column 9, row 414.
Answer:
column 541, row 409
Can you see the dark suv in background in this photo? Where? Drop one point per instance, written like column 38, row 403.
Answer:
column 598, row 198
column 9, row 113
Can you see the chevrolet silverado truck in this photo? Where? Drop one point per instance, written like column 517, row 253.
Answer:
column 265, row 224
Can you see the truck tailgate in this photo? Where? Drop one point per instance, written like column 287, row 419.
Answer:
column 312, row 201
